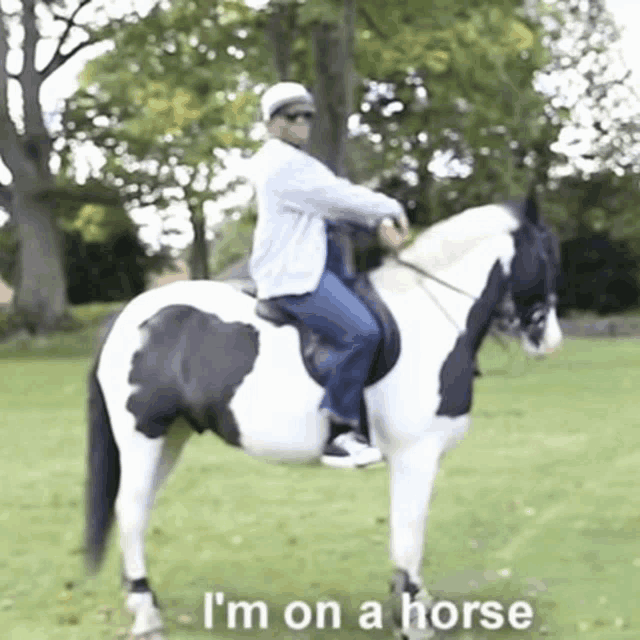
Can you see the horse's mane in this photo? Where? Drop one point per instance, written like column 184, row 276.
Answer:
column 445, row 242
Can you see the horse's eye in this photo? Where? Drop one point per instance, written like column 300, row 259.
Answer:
column 537, row 316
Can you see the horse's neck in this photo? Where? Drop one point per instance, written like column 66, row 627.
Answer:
column 445, row 243
column 470, row 273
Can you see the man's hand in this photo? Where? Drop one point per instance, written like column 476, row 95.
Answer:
column 391, row 237
column 403, row 221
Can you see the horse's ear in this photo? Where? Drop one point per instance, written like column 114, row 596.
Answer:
column 531, row 211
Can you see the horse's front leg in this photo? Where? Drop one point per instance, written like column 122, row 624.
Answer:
column 412, row 474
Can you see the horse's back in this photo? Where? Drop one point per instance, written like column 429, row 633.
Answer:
column 208, row 296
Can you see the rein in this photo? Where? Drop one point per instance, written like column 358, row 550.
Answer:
column 422, row 272
column 426, row 274
column 509, row 314
column 512, row 317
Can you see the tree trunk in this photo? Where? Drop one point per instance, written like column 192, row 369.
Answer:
column 40, row 292
column 333, row 60
column 40, row 295
column 428, row 207
column 281, row 33
column 199, row 259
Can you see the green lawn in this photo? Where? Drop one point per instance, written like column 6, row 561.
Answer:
column 540, row 503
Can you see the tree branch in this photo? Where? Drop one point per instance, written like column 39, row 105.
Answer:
column 372, row 23
column 70, row 22
column 93, row 192
column 36, row 140
column 58, row 58
column 58, row 17
column 8, row 135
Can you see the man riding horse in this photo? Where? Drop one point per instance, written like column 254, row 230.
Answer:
column 297, row 266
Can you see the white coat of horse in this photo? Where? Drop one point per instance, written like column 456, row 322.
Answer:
column 192, row 356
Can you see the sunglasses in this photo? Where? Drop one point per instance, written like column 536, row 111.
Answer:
column 306, row 115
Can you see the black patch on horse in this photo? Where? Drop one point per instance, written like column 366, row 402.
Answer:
column 457, row 372
column 190, row 365
column 535, row 271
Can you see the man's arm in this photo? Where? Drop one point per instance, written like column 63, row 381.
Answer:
column 317, row 191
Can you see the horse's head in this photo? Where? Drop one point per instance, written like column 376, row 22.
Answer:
column 529, row 305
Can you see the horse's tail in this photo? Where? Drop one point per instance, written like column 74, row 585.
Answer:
column 103, row 476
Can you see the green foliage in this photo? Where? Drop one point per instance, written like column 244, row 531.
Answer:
column 460, row 81
column 98, row 223
column 108, row 270
column 5, row 323
column 178, row 87
column 173, row 73
column 583, row 36
column 319, row 11
column 102, row 263
column 600, row 275
column 235, row 241
column 604, row 203
column 93, row 209
column 171, row 94
column 8, row 253
column 455, row 38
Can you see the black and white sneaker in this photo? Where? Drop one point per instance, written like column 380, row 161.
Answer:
column 349, row 451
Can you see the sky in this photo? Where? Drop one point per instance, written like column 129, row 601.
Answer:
column 626, row 13
column 63, row 83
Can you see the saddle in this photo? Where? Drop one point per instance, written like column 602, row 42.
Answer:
column 314, row 348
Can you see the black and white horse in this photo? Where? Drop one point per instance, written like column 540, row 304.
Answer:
column 202, row 355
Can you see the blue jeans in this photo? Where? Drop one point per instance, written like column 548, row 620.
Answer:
column 336, row 312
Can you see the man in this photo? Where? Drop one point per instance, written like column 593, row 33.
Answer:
column 296, row 266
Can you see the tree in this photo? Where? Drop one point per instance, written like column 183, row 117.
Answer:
column 332, row 45
column 474, row 60
column 594, row 188
column 177, row 89
column 396, row 143
column 92, row 210
column 26, row 148
column 603, row 275
column 454, row 85
column 590, row 90
column 166, row 102
column 312, row 43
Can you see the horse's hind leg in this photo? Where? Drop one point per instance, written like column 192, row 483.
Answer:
column 145, row 464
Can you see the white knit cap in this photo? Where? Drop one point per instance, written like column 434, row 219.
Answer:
column 280, row 94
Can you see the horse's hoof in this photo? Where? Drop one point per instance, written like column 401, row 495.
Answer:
column 418, row 627
column 414, row 634
column 152, row 635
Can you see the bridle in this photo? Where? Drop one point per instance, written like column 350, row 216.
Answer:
column 426, row 274
column 508, row 309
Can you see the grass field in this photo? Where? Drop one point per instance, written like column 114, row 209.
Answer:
column 540, row 503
